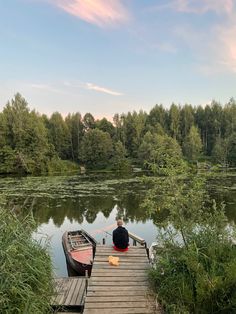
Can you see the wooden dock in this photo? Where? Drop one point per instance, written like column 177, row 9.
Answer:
column 69, row 293
column 119, row 289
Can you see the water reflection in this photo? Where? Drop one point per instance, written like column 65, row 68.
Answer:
column 93, row 203
column 146, row 230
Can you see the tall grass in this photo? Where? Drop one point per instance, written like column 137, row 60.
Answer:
column 25, row 268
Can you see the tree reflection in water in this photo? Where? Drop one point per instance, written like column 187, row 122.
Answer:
column 93, row 203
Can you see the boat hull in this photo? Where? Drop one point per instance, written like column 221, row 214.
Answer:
column 79, row 267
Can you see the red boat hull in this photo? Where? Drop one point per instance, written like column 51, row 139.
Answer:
column 79, row 258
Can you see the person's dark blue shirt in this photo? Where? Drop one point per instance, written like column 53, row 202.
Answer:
column 120, row 237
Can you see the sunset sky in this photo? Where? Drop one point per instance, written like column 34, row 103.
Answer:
column 108, row 56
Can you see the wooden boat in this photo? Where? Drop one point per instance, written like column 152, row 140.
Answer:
column 79, row 248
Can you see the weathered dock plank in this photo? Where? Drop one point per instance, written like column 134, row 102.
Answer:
column 122, row 293
column 69, row 292
column 119, row 289
column 119, row 311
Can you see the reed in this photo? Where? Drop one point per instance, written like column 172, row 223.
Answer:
column 25, row 267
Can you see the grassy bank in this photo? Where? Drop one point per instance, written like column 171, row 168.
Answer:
column 25, row 268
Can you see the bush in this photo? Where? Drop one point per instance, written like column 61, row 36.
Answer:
column 199, row 277
column 57, row 165
column 195, row 271
column 25, row 268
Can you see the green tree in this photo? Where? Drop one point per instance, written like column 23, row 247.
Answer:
column 220, row 151
column 96, row 149
column 200, row 124
column 192, row 145
column 105, row 126
column 134, row 128
column 76, row 130
column 25, row 137
column 186, row 120
column 160, row 152
column 59, row 135
column 129, row 133
column 119, row 160
column 119, row 130
column 229, row 118
column 232, row 149
column 158, row 115
column 88, row 121
column 174, row 117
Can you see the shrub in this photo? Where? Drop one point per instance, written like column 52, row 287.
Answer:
column 57, row 165
column 199, row 277
column 195, row 271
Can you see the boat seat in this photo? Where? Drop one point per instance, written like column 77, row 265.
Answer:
column 82, row 248
column 77, row 246
column 76, row 236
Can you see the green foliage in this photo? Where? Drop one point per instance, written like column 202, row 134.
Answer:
column 96, row 149
column 195, row 270
column 59, row 135
column 158, row 116
column 174, row 121
column 133, row 129
column 220, row 151
column 192, row 145
column 187, row 120
column 88, row 121
column 31, row 140
column 105, row 126
column 7, row 159
column 201, row 273
column 25, row 267
column 76, row 129
column 56, row 165
column 25, row 148
column 160, row 152
column 232, row 149
column 119, row 160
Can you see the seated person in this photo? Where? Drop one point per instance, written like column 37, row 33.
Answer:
column 120, row 237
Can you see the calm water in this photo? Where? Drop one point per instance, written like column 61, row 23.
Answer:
column 93, row 202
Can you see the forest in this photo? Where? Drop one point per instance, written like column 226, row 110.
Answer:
column 33, row 143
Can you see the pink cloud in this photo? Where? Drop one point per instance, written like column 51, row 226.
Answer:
column 203, row 6
column 99, row 12
column 200, row 6
column 100, row 89
column 227, row 44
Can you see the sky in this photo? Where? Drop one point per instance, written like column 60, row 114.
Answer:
column 114, row 56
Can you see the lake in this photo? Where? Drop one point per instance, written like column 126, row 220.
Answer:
column 93, row 202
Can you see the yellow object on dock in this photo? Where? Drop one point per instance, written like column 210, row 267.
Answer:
column 113, row 261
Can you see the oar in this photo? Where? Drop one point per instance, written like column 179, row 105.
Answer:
column 107, row 233
column 104, row 229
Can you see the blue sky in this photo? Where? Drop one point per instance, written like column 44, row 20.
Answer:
column 108, row 56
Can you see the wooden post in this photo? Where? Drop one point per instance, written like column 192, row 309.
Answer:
column 86, row 281
column 134, row 243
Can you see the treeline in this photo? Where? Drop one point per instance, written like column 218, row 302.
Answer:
column 34, row 143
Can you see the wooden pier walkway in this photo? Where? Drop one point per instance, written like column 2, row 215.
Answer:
column 69, row 293
column 119, row 289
